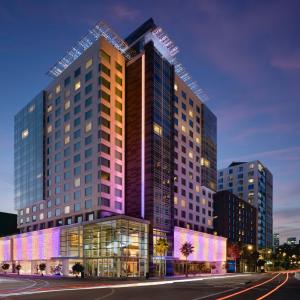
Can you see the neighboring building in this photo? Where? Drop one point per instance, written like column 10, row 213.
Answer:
column 276, row 241
column 234, row 218
column 291, row 241
column 252, row 182
column 8, row 224
column 93, row 155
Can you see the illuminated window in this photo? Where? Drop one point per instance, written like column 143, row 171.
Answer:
column 67, row 139
column 89, row 63
column 198, row 188
column 67, row 128
column 175, row 200
column 190, row 113
column 25, row 133
column 57, row 89
column 250, row 180
column 49, row 129
column 183, row 128
column 175, row 87
column 49, row 109
column 31, row 108
column 88, row 126
column 77, row 85
column 41, row 216
column 77, row 182
column 203, row 201
column 67, row 104
column 205, row 162
column 251, row 166
column 183, row 204
column 50, row 96
column 27, row 210
column 191, row 154
column 157, row 129
column 209, row 222
column 67, row 209
column 197, row 140
column 260, row 167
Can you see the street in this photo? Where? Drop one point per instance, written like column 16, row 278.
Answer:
column 250, row 286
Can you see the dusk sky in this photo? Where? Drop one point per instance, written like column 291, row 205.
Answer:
column 245, row 54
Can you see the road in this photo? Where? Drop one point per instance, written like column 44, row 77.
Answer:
column 252, row 286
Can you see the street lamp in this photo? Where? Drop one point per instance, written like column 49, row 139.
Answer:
column 250, row 247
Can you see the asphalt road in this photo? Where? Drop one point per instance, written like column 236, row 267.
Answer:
column 233, row 287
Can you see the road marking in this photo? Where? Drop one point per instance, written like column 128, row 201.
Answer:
column 275, row 289
column 248, row 289
column 107, row 295
column 126, row 285
column 215, row 294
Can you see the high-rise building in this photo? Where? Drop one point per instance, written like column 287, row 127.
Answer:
column 83, row 153
column 252, row 182
column 276, row 241
column 291, row 241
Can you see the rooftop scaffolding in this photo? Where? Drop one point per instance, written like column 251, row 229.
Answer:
column 101, row 29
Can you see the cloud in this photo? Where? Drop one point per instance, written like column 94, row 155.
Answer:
column 254, row 131
column 286, row 63
column 124, row 12
column 289, row 154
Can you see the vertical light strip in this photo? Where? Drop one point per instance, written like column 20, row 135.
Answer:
column 143, row 141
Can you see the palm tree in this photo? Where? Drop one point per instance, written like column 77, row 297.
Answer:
column 77, row 269
column 18, row 268
column 161, row 247
column 42, row 268
column 186, row 249
column 5, row 267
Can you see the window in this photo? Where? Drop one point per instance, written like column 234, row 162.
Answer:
column 25, row 133
column 88, row 126
column 104, row 201
column 104, row 56
column 104, row 82
column 88, row 114
column 77, row 85
column 57, row 89
column 105, row 96
column 88, row 101
column 118, row 205
column 88, row 88
column 67, row 81
column 119, row 80
column 88, row 204
column 105, row 70
column 77, row 207
column 77, row 97
column 157, row 129
column 119, row 67
column 77, row 182
column 67, row 139
column 67, row 104
column 67, row 209
column 118, row 92
column 77, row 72
column 118, row 105
column 89, row 63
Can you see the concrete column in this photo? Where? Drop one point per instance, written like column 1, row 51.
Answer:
column 65, row 267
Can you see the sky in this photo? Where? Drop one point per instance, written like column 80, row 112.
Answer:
column 244, row 54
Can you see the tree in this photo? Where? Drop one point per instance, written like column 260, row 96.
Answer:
column 42, row 268
column 77, row 268
column 234, row 252
column 18, row 268
column 186, row 249
column 161, row 247
column 5, row 267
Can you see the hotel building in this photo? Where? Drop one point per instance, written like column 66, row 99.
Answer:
column 252, row 182
column 121, row 130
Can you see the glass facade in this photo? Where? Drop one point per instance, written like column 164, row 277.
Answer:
column 116, row 248
column 208, row 148
column 28, row 155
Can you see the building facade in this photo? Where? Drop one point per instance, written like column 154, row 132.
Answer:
column 234, row 218
column 276, row 241
column 252, row 182
column 120, row 130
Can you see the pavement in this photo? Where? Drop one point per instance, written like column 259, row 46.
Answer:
column 232, row 286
